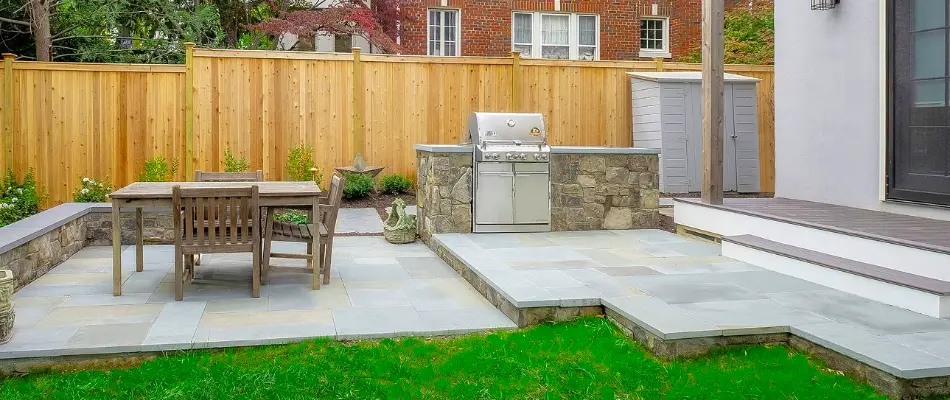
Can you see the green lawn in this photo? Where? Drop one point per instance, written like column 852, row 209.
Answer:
column 587, row 359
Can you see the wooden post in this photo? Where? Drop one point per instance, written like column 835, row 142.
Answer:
column 515, row 81
column 659, row 63
column 189, row 110
column 7, row 112
column 359, row 128
column 713, row 49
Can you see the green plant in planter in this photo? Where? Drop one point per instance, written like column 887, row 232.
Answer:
column 92, row 191
column 233, row 163
column 395, row 184
column 158, row 169
column 291, row 216
column 357, row 186
column 300, row 164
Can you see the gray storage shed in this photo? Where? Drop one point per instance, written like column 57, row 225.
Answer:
column 667, row 114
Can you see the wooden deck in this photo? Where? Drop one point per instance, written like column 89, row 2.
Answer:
column 924, row 233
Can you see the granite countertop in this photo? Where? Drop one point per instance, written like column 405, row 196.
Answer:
column 466, row 148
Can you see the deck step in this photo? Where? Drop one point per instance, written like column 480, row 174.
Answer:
column 901, row 289
column 916, row 246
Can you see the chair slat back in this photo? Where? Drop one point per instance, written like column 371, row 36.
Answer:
column 331, row 210
column 217, row 218
column 257, row 176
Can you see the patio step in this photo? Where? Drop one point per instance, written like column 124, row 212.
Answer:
column 901, row 289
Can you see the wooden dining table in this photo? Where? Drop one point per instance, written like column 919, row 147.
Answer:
column 139, row 195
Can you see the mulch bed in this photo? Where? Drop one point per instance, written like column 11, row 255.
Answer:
column 379, row 201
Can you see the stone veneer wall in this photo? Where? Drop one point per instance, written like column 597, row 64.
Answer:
column 37, row 256
column 444, row 193
column 604, row 191
column 33, row 246
column 157, row 228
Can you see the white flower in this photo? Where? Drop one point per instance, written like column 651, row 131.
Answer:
column 84, row 191
column 92, row 182
column 20, row 190
column 85, row 180
column 14, row 199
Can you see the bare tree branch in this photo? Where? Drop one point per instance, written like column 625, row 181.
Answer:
column 13, row 21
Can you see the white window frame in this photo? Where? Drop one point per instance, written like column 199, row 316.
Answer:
column 573, row 34
column 653, row 53
column 458, row 31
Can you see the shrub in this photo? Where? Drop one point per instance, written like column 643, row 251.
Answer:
column 357, row 186
column 299, row 164
column 749, row 37
column 234, row 164
column 18, row 200
column 158, row 169
column 291, row 216
column 395, row 184
column 92, row 191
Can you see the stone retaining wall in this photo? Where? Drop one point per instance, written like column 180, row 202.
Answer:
column 604, row 191
column 36, row 257
column 33, row 246
column 444, row 193
column 157, row 228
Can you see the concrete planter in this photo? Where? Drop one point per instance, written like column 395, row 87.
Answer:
column 7, row 284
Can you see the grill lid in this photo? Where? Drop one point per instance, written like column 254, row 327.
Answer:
column 507, row 128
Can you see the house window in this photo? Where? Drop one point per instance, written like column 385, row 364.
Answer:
column 443, row 32
column 654, row 37
column 555, row 35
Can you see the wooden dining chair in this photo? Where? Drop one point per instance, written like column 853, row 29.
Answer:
column 317, row 234
column 200, row 176
column 216, row 220
column 257, row 176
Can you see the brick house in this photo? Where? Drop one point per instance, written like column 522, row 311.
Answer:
column 564, row 29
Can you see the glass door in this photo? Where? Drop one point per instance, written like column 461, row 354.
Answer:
column 919, row 91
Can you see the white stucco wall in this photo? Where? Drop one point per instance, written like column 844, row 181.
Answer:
column 828, row 106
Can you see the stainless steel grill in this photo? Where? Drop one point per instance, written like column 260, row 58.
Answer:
column 512, row 175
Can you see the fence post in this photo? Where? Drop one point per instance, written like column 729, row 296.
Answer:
column 359, row 128
column 189, row 110
column 659, row 64
column 515, row 81
column 7, row 111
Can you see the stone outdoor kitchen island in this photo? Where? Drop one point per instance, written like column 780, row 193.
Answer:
column 591, row 188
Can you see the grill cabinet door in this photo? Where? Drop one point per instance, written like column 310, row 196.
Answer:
column 532, row 194
column 494, row 194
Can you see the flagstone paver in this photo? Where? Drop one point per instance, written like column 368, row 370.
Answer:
column 680, row 288
column 376, row 289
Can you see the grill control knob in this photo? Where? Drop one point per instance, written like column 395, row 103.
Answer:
column 495, row 156
column 537, row 156
column 544, row 156
column 524, row 156
column 508, row 156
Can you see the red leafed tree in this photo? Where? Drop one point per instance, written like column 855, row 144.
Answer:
column 378, row 23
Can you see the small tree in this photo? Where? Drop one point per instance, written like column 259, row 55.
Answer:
column 300, row 164
column 233, row 163
column 379, row 24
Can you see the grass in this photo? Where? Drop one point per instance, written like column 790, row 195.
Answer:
column 586, row 359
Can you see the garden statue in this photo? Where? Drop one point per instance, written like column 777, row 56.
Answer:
column 7, row 283
column 359, row 167
column 399, row 227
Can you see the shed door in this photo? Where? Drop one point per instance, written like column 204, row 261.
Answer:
column 919, row 101
column 694, row 101
column 728, row 141
column 746, row 125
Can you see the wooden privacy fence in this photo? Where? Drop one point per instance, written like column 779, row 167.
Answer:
column 65, row 121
